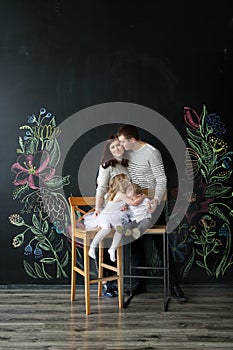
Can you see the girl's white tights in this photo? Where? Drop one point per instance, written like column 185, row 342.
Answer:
column 101, row 235
column 98, row 237
column 115, row 243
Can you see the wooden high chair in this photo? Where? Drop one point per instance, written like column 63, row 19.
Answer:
column 81, row 205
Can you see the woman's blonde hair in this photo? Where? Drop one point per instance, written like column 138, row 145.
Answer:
column 118, row 183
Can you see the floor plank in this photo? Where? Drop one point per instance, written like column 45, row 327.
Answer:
column 44, row 318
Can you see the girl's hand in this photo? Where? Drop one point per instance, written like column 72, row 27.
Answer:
column 124, row 208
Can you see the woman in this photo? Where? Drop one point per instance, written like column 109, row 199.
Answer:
column 112, row 163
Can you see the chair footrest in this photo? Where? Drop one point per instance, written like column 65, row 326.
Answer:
column 103, row 279
column 148, row 268
column 145, row 277
column 109, row 267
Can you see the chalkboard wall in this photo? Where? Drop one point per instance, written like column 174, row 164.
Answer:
column 61, row 57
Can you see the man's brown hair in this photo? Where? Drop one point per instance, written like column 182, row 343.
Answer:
column 128, row 131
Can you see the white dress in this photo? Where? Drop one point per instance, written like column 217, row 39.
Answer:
column 139, row 212
column 110, row 216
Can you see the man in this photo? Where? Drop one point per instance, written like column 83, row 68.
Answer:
column 147, row 170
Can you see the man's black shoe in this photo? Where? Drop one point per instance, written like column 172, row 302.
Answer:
column 178, row 294
column 137, row 288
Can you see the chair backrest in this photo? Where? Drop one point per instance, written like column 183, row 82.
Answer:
column 79, row 207
column 151, row 193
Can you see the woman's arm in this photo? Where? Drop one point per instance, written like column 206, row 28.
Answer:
column 102, row 188
column 103, row 181
column 99, row 201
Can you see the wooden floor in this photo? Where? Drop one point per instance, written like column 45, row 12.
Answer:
column 44, row 318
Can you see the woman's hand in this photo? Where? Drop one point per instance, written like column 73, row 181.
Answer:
column 96, row 212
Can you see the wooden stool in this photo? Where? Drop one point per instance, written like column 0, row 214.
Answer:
column 79, row 205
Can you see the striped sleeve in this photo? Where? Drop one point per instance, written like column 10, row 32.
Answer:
column 158, row 172
column 147, row 170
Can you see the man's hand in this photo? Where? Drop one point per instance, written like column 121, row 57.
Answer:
column 152, row 205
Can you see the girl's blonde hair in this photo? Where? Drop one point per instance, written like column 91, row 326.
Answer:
column 118, row 183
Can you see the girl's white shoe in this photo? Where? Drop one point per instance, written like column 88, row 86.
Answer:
column 91, row 253
column 111, row 252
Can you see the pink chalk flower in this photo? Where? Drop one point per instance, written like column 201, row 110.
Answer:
column 32, row 168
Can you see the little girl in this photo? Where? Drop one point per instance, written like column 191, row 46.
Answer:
column 112, row 215
column 140, row 216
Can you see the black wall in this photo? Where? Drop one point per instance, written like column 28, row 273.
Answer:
column 68, row 55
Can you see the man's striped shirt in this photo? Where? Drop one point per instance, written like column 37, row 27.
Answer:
column 147, row 170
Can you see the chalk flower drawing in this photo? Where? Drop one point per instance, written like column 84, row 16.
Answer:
column 207, row 221
column 44, row 214
column 30, row 167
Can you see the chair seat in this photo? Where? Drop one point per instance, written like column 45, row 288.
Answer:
column 82, row 231
column 158, row 229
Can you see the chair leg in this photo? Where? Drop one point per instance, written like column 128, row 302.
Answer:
column 87, row 275
column 101, row 270
column 165, row 272
column 73, row 273
column 130, row 269
column 120, row 276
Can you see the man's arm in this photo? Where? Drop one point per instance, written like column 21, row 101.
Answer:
column 157, row 167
